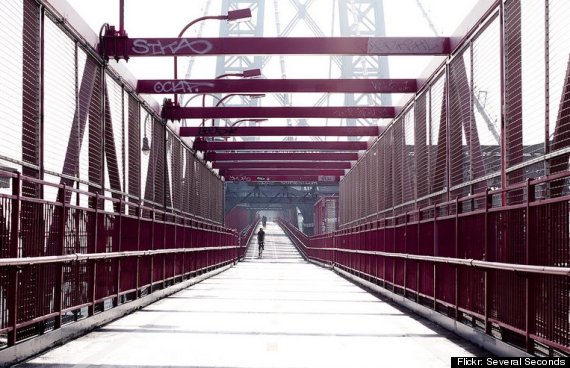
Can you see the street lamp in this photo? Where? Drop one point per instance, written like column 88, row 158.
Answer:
column 253, row 96
column 227, row 97
column 248, row 73
column 250, row 120
column 232, row 16
column 244, row 120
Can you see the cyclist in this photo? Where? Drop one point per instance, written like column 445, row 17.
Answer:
column 260, row 240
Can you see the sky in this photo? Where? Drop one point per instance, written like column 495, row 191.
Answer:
column 149, row 18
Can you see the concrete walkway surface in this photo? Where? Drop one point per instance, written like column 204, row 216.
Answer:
column 274, row 311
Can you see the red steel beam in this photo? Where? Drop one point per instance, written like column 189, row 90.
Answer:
column 265, row 172
column 311, row 131
column 283, row 178
column 279, row 146
column 282, row 165
column 334, row 112
column 296, row 156
column 182, row 86
column 124, row 47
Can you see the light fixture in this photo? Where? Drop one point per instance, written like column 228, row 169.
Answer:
column 145, row 146
column 256, row 96
column 145, row 149
column 239, row 15
column 251, row 73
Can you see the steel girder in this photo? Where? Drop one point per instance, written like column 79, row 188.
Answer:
column 280, row 146
column 119, row 47
column 287, row 172
column 291, row 156
column 277, row 177
column 205, row 86
column 282, row 165
column 177, row 113
column 311, row 131
column 267, row 194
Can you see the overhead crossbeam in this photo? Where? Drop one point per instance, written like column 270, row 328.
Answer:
column 337, row 112
column 289, row 156
column 280, row 146
column 307, row 131
column 119, row 47
column 340, row 165
column 269, row 172
column 184, row 86
column 297, row 179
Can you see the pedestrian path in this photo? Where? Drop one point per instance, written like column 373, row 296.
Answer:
column 277, row 311
column 278, row 247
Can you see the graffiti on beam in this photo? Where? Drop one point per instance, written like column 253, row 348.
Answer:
column 239, row 178
column 216, row 131
column 142, row 46
column 326, row 178
column 404, row 46
column 180, row 86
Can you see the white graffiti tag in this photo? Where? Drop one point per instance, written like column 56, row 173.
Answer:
column 239, row 178
column 142, row 46
column 180, row 86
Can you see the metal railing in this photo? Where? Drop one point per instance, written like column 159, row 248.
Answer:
column 70, row 259
column 503, row 270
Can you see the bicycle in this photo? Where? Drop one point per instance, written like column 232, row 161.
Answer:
column 261, row 247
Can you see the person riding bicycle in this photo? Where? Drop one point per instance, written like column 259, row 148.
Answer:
column 261, row 239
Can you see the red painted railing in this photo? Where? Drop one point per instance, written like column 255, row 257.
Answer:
column 70, row 259
column 504, row 270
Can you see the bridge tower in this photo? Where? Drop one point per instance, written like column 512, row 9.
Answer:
column 251, row 28
column 363, row 18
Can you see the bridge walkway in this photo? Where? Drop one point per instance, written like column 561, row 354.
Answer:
column 274, row 311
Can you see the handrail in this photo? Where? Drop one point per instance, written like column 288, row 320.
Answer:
column 546, row 270
column 78, row 257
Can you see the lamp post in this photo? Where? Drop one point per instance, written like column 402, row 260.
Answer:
column 248, row 73
column 250, row 120
column 243, row 120
column 232, row 16
column 227, row 97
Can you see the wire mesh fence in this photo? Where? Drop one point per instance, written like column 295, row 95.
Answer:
column 471, row 217
column 100, row 202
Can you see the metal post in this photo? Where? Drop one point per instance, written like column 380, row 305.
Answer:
column 118, row 296
column 138, row 266
column 503, row 101
column 15, row 242
column 58, row 293
column 122, row 17
column 456, row 256
column 528, row 321
column 152, row 248
column 486, row 258
column 405, row 251
column 434, row 253
column 93, row 278
column 384, row 257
